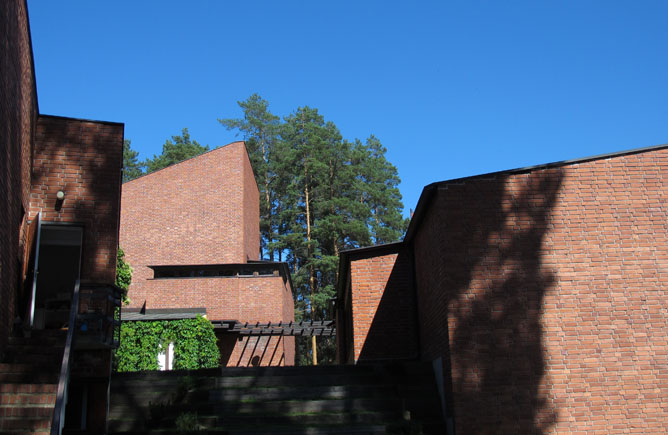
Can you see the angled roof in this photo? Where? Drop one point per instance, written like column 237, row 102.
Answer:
column 429, row 190
column 143, row 176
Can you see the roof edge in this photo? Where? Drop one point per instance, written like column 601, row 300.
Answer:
column 191, row 158
column 69, row 118
column 428, row 191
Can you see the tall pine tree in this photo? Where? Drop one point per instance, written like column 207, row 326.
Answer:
column 260, row 129
column 132, row 168
column 322, row 194
column 178, row 149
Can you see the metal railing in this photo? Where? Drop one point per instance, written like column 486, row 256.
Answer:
column 98, row 326
column 99, row 319
column 58, row 419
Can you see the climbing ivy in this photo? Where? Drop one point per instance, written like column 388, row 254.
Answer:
column 194, row 344
column 123, row 274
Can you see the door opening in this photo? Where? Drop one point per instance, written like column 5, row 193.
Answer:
column 58, row 265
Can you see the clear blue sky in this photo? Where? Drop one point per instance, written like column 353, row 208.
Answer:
column 451, row 88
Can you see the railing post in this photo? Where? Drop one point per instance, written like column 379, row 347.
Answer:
column 58, row 420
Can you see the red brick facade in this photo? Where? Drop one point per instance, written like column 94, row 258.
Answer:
column 544, row 293
column 40, row 155
column 18, row 115
column 205, row 211
column 382, row 306
column 82, row 159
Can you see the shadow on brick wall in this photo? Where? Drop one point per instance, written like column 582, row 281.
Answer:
column 480, row 282
column 84, row 160
column 493, row 281
column 393, row 330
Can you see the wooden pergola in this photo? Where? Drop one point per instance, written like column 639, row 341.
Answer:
column 323, row 328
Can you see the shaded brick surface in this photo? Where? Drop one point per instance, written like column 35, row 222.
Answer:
column 204, row 210
column 383, row 307
column 83, row 159
column 545, row 293
column 18, row 114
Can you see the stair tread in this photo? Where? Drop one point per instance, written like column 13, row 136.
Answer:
column 286, row 400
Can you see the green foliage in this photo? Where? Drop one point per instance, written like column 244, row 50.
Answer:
column 178, row 149
column 132, row 168
column 187, row 422
column 194, row 344
column 320, row 194
column 123, row 274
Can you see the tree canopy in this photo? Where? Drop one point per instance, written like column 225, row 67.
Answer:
column 176, row 150
column 320, row 194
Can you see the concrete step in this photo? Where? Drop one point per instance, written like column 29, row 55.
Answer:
column 265, row 408
column 388, row 398
column 246, row 422
column 143, row 396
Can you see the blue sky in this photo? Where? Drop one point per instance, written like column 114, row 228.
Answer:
column 451, row 88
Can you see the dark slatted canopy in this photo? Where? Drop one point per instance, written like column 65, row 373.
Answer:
column 323, row 328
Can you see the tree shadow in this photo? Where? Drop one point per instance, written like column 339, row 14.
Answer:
column 480, row 281
column 83, row 159
column 392, row 334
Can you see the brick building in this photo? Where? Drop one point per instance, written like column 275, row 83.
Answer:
column 61, row 182
column 539, row 294
column 191, row 232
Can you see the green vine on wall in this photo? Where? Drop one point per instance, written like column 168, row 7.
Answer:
column 123, row 274
column 194, row 344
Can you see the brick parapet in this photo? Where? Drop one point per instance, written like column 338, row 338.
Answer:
column 383, row 306
column 544, row 293
column 83, row 159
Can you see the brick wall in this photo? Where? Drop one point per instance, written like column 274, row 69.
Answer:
column 225, row 298
column 18, row 113
column 383, row 306
column 247, row 299
column 205, row 210
column 194, row 212
column 83, row 159
column 545, row 293
column 251, row 211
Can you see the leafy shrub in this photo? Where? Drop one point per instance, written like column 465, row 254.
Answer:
column 194, row 344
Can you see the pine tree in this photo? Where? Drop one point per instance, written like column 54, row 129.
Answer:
column 260, row 130
column 178, row 149
column 322, row 194
column 131, row 166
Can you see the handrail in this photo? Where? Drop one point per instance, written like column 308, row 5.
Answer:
column 58, row 419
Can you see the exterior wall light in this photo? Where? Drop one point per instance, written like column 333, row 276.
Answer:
column 60, row 195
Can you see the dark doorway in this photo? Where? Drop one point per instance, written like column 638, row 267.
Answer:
column 58, row 268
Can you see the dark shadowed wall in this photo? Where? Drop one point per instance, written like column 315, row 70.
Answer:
column 545, row 294
column 18, row 115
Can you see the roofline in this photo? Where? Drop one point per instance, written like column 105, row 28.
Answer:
column 69, row 118
column 32, row 57
column 191, row 158
column 365, row 249
column 344, row 263
column 430, row 189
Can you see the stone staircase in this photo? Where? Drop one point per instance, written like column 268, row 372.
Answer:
column 28, row 382
column 363, row 399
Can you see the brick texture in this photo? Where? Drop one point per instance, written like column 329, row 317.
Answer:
column 205, row 210
column 383, row 307
column 83, row 159
column 18, row 114
column 545, row 294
